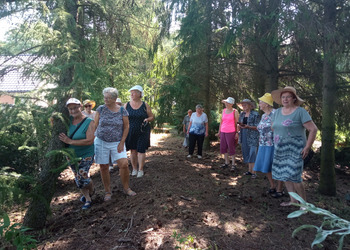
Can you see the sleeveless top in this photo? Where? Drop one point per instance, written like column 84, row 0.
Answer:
column 81, row 151
column 228, row 122
column 136, row 117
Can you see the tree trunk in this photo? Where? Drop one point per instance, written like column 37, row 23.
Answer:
column 39, row 207
column 327, row 177
column 207, row 67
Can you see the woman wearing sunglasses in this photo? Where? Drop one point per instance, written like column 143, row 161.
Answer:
column 88, row 106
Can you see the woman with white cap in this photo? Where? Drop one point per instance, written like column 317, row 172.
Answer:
column 291, row 144
column 264, row 157
column 112, row 129
column 228, row 132
column 138, row 140
column 248, row 133
column 88, row 108
column 81, row 139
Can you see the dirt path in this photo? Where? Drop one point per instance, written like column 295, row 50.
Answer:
column 195, row 198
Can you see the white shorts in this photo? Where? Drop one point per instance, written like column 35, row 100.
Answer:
column 105, row 149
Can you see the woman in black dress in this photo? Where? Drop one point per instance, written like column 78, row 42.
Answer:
column 138, row 140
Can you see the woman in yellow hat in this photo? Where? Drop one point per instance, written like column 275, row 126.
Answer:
column 88, row 106
column 264, row 157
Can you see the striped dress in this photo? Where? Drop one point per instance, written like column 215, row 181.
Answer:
column 289, row 139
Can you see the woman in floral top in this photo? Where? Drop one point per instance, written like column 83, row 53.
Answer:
column 264, row 158
column 291, row 145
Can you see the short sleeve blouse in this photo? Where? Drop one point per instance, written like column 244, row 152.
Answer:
column 110, row 126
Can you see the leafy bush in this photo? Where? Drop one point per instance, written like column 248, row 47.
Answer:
column 332, row 224
column 15, row 235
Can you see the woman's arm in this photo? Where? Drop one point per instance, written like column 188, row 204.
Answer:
column 189, row 126
column 97, row 119
column 125, row 133
column 83, row 142
column 206, row 129
column 149, row 113
column 311, row 127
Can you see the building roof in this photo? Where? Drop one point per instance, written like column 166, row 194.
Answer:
column 14, row 75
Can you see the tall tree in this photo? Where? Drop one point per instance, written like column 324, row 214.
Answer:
column 327, row 178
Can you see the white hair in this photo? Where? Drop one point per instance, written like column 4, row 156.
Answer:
column 112, row 91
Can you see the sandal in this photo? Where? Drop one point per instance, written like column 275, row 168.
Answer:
column 108, row 196
column 286, row 204
column 83, row 199
column 254, row 176
column 224, row 166
column 271, row 191
column 87, row 205
column 248, row 173
column 277, row 194
column 129, row 192
column 233, row 168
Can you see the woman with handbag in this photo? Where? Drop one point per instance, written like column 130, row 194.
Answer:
column 138, row 140
column 228, row 132
column 81, row 139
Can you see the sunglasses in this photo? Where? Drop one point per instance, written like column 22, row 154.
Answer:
column 86, row 106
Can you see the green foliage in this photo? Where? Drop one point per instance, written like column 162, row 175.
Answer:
column 331, row 224
column 15, row 235
column 184, row 242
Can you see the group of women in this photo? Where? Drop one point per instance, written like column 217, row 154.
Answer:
column 276, row 144
column 114, row 130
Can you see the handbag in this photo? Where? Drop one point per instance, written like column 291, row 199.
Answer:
column 71, row 136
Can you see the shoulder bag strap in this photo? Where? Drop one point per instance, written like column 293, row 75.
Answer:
column 81, row 123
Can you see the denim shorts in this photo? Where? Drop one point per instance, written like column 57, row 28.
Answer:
column 81, row 171
column 104, row 150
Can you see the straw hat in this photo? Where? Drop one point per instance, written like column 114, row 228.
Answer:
column 276, row 95
column 246, row 101
column 87, row 101
column 267, row 98
column 229, row 100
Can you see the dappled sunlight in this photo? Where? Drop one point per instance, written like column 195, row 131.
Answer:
column 156, row 138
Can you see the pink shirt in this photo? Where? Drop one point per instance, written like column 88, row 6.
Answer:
column 228, row 122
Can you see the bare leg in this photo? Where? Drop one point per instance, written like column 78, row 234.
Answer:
column 87, row 190
column 133, row 158
column 300, row 190
column 124, row 172
column 269, row 177
column 226, row 158
column 290, row 188
column 141, row 159
column 279, row 186
column 251, row 167
column 106, row 178
column 233, row 160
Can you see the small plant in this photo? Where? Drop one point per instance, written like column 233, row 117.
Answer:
column 15, row 235
column 332, row 224
column 184, row 241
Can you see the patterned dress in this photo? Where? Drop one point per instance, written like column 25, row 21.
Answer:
column 138, row 139
column 289, row 139
column 264, row 158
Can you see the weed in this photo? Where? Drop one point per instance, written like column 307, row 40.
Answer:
column 332, row 224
